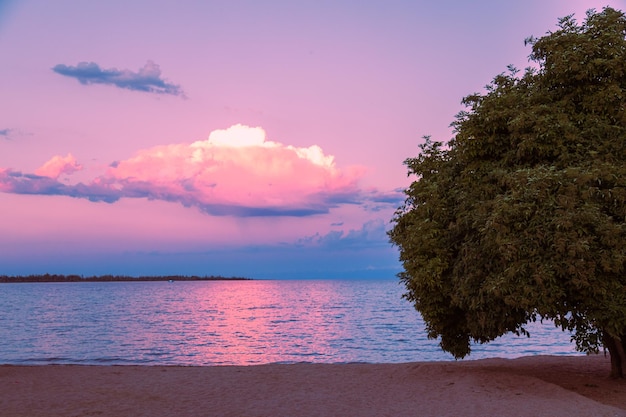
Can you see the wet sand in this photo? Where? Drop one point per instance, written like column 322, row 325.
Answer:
column 529, row 386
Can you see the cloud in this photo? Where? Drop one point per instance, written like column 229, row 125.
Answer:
column 59, row 165
column 16, row 182
column 372, row 233
column 235, row 172
column 378, row 200
column 4, row 133
column 147, row 79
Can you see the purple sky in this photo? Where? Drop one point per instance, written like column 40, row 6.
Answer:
column 251, row 138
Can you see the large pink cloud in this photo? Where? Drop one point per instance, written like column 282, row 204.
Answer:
column 236, row 171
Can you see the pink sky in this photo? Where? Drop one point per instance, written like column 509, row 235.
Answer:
column 263, row 139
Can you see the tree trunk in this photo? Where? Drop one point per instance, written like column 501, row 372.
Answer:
column 618, row 354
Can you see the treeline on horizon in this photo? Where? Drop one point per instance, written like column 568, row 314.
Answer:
column 113, row 278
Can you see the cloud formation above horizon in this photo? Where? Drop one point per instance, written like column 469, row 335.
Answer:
column 59, row 165
column 5, row 133
column 147, row 79
column 235, row 172
column 372, row 233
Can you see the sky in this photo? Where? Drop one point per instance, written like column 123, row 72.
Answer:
column 263, row 139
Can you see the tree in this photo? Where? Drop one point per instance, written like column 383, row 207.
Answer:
column 521, row 215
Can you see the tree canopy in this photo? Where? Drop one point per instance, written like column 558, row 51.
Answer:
column 521, row 215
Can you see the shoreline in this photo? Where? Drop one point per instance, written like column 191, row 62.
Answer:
column 58, row 278
column 526, row 386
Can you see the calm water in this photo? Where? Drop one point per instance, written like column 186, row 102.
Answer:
column 240, row 322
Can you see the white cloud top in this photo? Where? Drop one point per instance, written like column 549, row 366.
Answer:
column 237, row 136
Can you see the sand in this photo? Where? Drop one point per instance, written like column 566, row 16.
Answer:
column 530, row 386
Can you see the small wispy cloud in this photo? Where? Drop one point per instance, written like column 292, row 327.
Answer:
column 371, row 233
column 4, row 133
column 16, row 182
column 235, row 172
column 59, row 165
column 147, row 79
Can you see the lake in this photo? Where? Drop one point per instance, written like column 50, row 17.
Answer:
column 230, row 323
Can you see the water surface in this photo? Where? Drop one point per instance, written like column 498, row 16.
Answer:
column 229, row 322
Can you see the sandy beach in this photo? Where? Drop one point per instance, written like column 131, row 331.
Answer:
column 529, row 386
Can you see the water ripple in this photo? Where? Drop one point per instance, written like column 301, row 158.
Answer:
column 229, row 323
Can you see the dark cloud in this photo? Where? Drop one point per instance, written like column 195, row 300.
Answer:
column 372, row 233
column 4, row 133
column 376, row 201
column 16, row 182
column 242, row 211
column 147, row 79
column 394, row 197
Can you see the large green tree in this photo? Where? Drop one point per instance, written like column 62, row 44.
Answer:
column 521, row 215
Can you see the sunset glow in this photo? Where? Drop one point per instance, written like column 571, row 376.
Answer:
column 236, row 139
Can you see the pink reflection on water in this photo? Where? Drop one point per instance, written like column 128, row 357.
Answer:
column 261, row 323
column 236, row 323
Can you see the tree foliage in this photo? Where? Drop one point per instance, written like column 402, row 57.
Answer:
column 521, row 215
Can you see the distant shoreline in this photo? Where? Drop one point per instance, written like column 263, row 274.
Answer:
column 6, row 279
